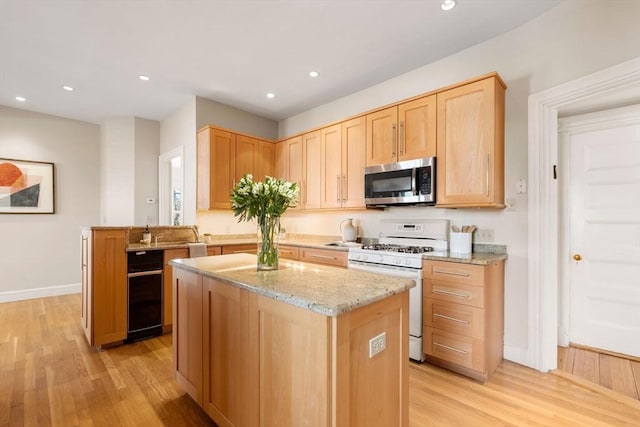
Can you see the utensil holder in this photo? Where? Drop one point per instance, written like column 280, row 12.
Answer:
column 460, row 243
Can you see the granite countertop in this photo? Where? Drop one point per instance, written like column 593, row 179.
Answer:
column 477, row 258
column 326, row 290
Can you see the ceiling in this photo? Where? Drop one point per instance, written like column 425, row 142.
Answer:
column 230, row 51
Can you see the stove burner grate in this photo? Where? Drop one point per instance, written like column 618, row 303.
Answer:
column 398, row 248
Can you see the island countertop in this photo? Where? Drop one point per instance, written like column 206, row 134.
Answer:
column 326, row 290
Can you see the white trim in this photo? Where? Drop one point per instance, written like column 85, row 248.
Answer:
column 52, row 291
column 543, row 201
column 164, row 168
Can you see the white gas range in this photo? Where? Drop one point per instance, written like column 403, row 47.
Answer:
column 398, row 253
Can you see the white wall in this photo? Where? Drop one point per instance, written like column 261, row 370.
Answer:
column 213, row 113
column 43, row 251
column 574, row 39
column 179, row 129
column 117, row 168
column 147, row 150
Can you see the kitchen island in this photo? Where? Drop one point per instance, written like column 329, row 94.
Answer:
column 305, row 345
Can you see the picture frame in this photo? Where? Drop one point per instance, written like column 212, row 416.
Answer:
column 27, row 187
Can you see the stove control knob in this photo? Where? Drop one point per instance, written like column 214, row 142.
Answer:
column 407, row 261
column 364, row 257
column 398, row 260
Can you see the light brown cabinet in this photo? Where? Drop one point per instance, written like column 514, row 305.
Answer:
column 167, row 280
column 288, row 252
column 463, row 316
column 223, row 157
column 402, row 132
column 298, row 161
column 187, row 332
column 342, row 167
column 241, row 248
column 323, row 256
column 104, row 285
column 250, row 360
column 470, row 169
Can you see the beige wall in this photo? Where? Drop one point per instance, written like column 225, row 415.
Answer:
column 43, row 251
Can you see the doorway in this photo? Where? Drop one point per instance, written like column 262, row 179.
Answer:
column 599, row 299
column 613, row 87
column 171, row 187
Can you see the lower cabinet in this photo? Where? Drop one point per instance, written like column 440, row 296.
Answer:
column 244, row 248
column 323, row 256
column 463, row 316
column 249, row 360
column 288, row 252
column 167, row 280
column 104, row 285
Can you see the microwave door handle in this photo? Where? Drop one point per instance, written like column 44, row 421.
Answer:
column 413, row 182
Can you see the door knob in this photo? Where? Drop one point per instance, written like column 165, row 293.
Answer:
column 577, row 257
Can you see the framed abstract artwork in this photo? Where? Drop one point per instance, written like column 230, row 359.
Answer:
column 26, row 187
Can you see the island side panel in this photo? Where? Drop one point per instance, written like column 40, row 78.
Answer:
column 229, row 395
column 372, row 391
column 187, row 331
column 294, row 369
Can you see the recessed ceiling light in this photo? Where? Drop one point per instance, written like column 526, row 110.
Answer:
column 314, row 73
column 271, row 95
column 21, row 98
column 143, row 77
column 448, row 4
column 68, row 88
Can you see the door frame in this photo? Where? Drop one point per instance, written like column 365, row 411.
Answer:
column 164, row 184
column 543, row 202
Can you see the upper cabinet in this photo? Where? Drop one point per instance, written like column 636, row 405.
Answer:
column 470, row 164
column 223, row 157
column 342, row 167
column 402, row 132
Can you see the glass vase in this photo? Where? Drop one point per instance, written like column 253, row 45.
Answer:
column 268, row 239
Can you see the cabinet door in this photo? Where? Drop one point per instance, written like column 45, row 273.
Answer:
column 187, row 335
column 353, row 160
column 312, row 162
column 288, row 252
column 248, row 248
column 167, row 283
column 226, row 356
column 223, row 149
column 295, row 173
column 323, row 256
column 266, row 159
column 282, row 161
column 331, row 167
column 417, row 128
column 246, row 156
column 382, row 136
column 470, row 145
column 109, row 278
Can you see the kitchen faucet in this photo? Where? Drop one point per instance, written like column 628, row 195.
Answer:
column 194, row 228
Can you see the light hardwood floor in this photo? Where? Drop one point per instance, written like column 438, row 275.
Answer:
column 619, row 374
column 49, row 376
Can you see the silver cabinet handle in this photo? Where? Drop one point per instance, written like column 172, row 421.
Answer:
column 453, row 319
column 487, row 174
column 393, row 139
column 401, row 138
column 453, row 294
column 457, row 350
column 321, row 256
column 342, row 189
column 338, row 189
column 451, row 273
column 144, row 273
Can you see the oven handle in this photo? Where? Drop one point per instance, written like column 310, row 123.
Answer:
column 144, row 273
column 408, row 273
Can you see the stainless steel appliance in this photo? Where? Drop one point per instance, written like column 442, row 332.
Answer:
column 398, row 253
column 144, row 294
column 409, row 182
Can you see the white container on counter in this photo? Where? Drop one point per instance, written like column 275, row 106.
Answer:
column 460, row 243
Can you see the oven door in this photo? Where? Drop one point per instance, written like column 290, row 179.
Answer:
column 415, row 300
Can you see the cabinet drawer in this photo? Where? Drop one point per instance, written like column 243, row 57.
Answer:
column 454, row 272
column 457, row 318
column 249, row 248
column 453, row 292
column 214, row 250
column 288, row 252
column 454, row 348
column 323, row 256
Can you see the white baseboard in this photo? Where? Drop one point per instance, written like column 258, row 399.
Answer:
column 52, row 291
column 519, row 355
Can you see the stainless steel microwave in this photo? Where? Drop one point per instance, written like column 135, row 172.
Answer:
column 410, row 182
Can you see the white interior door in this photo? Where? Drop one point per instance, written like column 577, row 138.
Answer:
column 170, row 188
column 602, row 247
